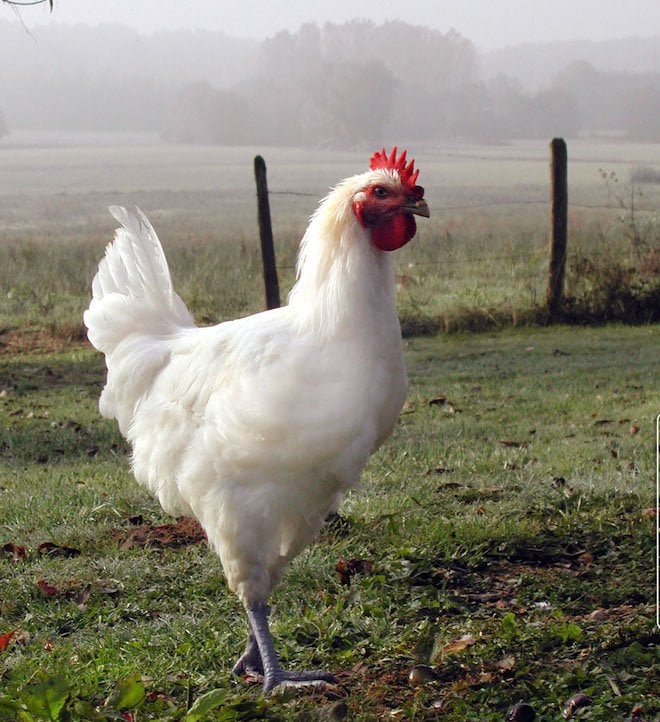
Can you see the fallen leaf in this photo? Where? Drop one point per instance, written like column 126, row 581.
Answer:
column 506, row 664
column 586, row 558
column 514, row 444
column 459, row 645
column 48, row 589
column 576, row 702
column 5, row 639
column 521, row 712
column 421, row 674
column 83, row 596
column 442, row 400
column 55, row 550
column 18, row 553
column 109, row 587
column 347, row 568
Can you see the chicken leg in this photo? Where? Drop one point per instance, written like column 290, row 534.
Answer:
column 250, row 661
column 260, row 655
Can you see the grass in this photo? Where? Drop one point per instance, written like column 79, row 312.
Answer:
column 479, row 262
column 505, row 531
column 503, row 538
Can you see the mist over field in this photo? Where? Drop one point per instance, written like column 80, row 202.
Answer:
column 333, row 85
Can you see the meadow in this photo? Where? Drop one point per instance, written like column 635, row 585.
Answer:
column 480, row 261
column 502, row 539
column 500, row 550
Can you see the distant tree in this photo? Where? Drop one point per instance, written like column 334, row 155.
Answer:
column 204, row 114
column 593, row 97
column 556, row 113
column 292, row 57
column 347, row 84
column 641, row 118
column 467, row 113
column 347, row 104
column 512, row 109
column 613, row 101
column 447, row 59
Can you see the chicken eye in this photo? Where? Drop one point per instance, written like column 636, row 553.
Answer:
column 380, row 192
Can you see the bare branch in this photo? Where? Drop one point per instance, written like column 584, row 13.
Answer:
column 23, row 3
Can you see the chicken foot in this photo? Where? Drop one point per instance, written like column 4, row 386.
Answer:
column 260, row 653
column 250, row 661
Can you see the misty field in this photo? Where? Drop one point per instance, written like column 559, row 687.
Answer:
column 501, row 547
column 480, row 261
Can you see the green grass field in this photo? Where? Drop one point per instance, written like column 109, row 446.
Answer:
column 507, row 532
column 504, row 538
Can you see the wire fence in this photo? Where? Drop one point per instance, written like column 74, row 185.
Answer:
column 534, row 254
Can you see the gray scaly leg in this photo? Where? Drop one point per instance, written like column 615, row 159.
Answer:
column 272, row 671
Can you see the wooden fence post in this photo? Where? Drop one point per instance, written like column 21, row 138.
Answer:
column 559, row 226
column 266, row 235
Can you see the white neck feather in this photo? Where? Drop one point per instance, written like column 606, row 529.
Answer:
column 344, row 282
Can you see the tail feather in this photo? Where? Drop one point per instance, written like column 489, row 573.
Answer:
column 132, row 291
column 133, row 311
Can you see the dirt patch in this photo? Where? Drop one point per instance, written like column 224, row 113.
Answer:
column 39, row 341
column 184, row 532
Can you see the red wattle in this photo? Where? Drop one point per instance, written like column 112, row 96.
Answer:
column 396, row 232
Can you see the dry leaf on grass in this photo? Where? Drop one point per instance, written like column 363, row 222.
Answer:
column 459, row 645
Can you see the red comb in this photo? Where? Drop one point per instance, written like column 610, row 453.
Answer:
column 407, row 173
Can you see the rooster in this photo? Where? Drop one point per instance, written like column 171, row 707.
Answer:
column 258, row 426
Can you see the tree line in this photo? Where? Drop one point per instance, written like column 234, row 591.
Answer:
column 356, row 83
column 347, row 85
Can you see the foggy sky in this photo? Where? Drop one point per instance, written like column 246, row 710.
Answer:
column 488, row 23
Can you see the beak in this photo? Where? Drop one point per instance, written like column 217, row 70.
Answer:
column 417, row 207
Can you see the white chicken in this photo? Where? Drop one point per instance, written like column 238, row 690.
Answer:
column 257, row 426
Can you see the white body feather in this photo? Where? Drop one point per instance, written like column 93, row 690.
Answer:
column 255, row 426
